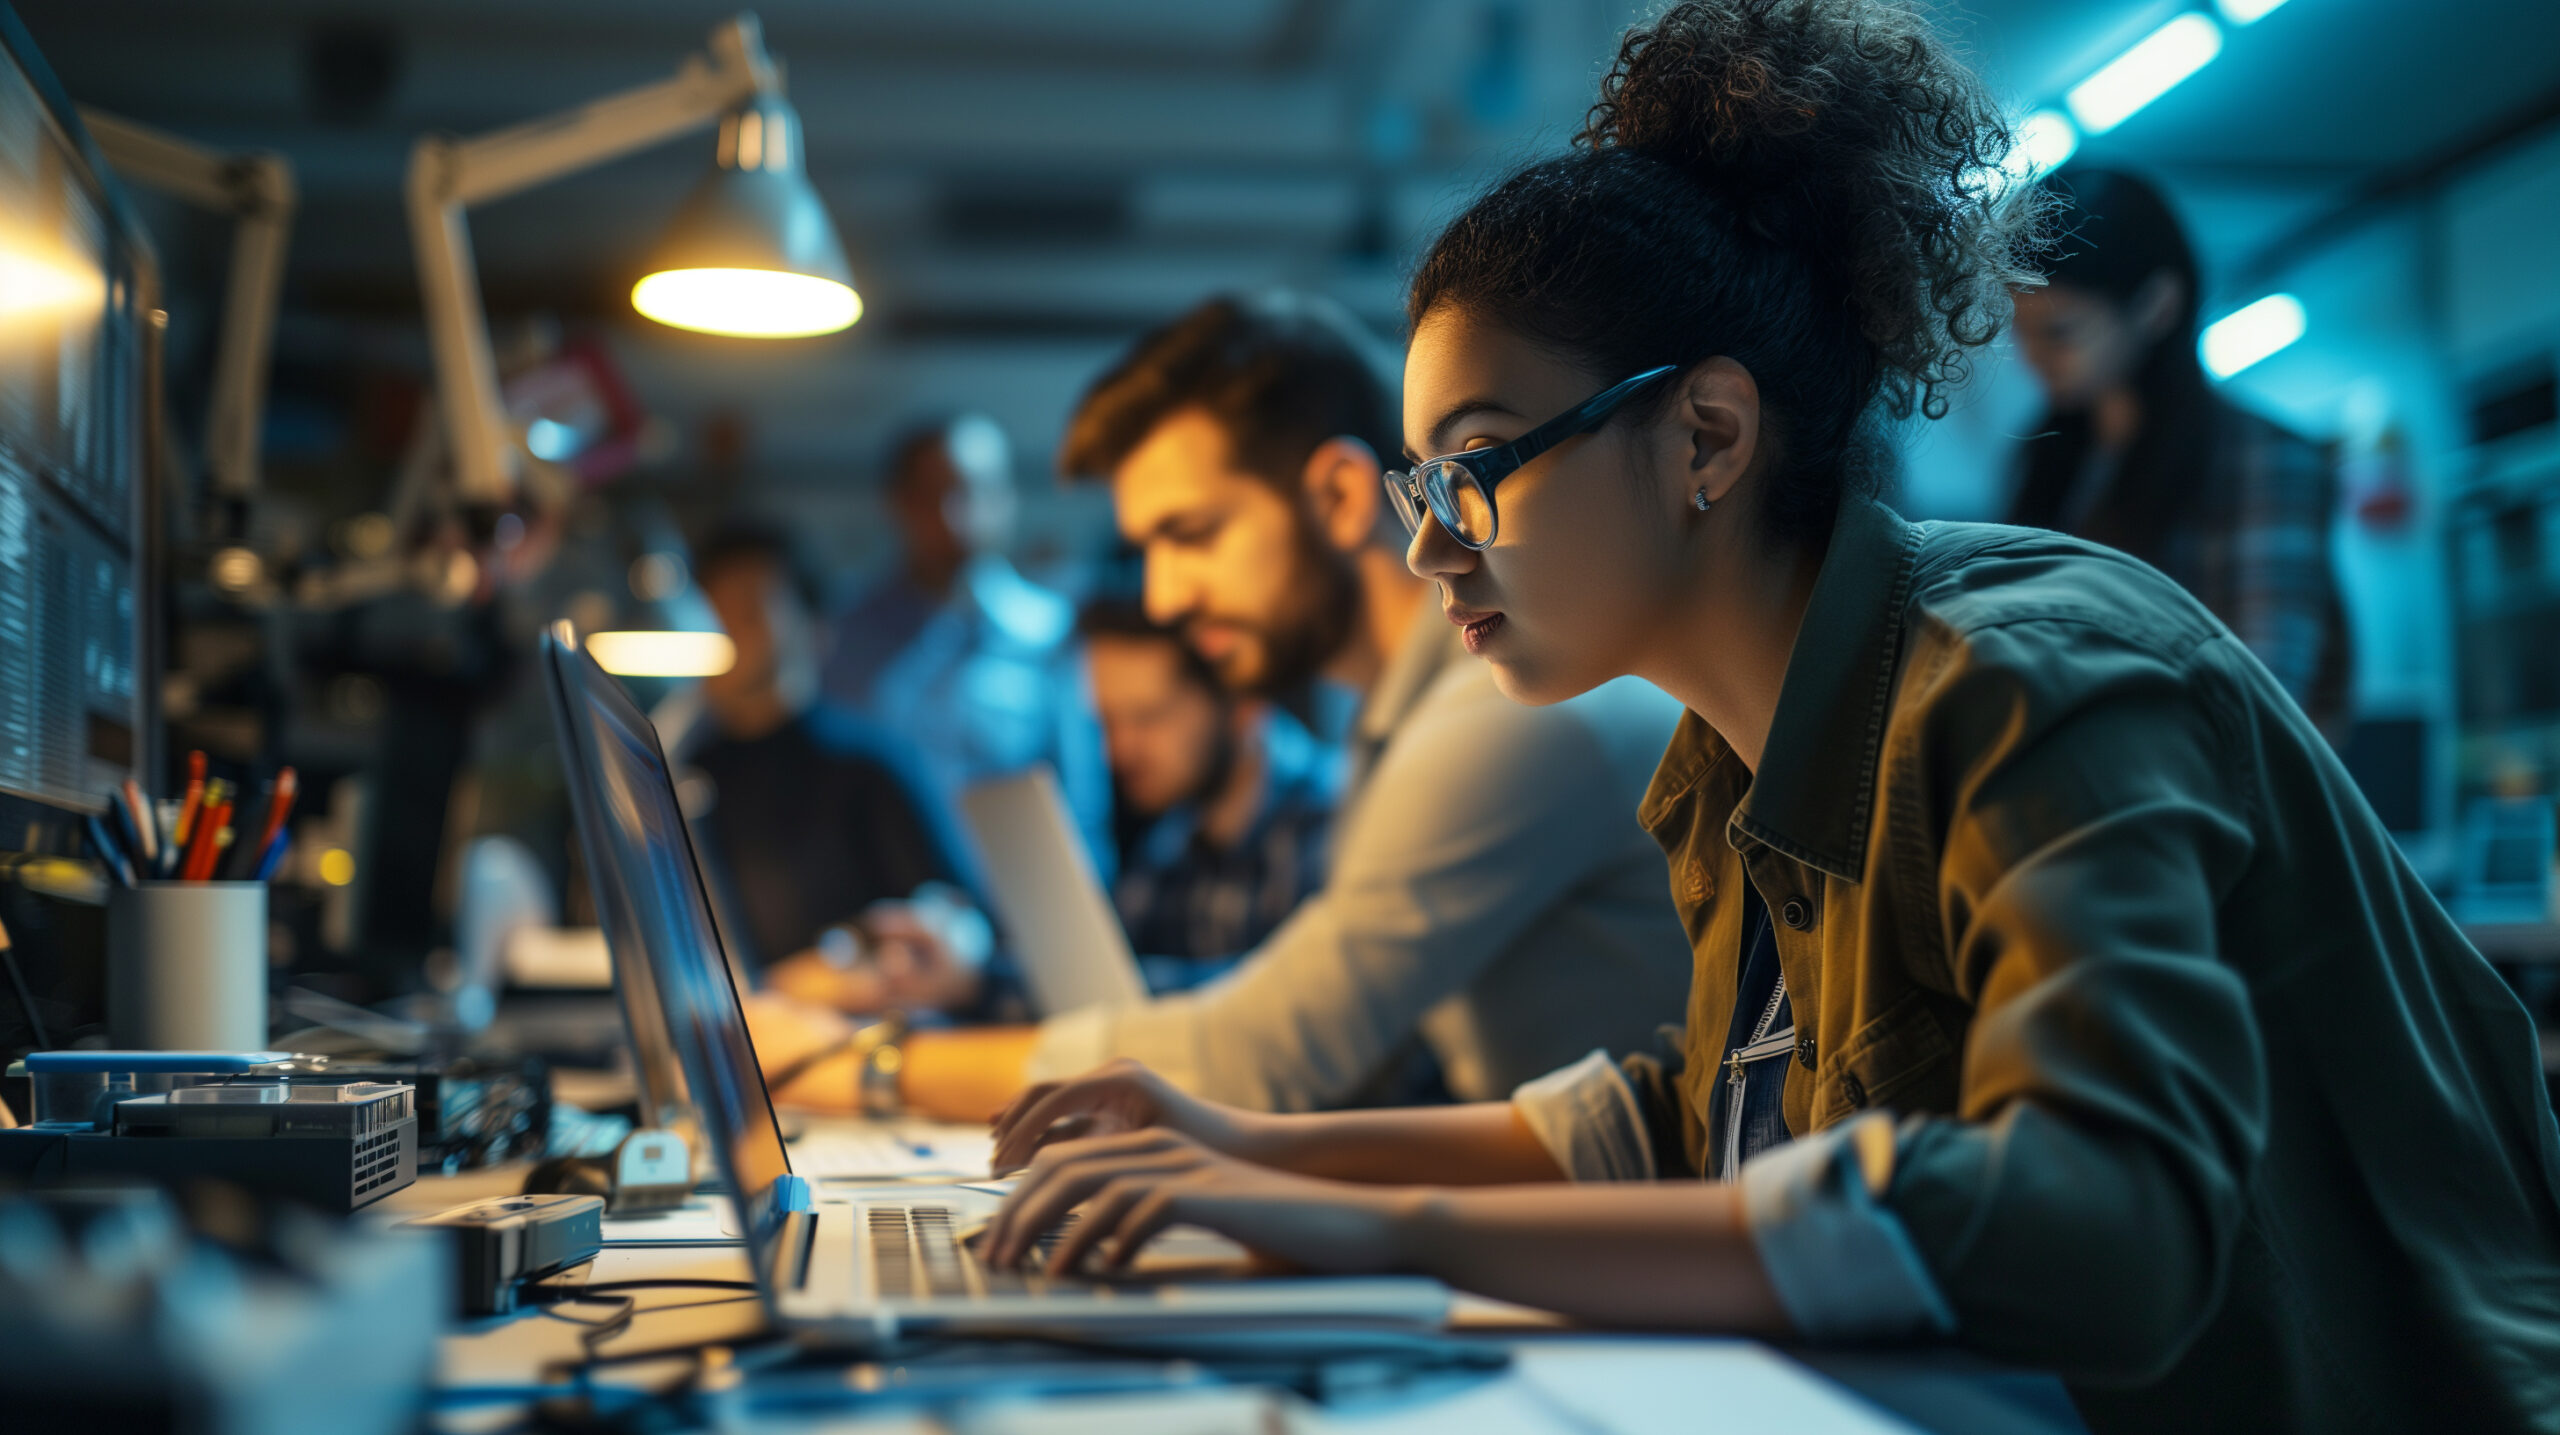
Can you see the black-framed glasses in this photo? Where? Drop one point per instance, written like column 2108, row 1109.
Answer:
column 1457, row 488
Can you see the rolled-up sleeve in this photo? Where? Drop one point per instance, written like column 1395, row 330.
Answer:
column 1587, row 1117
column 2080, row 1210
column 1480, row 816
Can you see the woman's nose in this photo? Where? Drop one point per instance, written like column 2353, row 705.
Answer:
column 1434, row 553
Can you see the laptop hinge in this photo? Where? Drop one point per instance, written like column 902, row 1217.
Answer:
column 796, row 1244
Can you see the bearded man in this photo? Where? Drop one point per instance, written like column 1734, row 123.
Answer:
column 1493, row 912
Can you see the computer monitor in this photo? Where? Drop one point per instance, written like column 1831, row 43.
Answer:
column 77, row 555
column 658, row 921
column 74, row 580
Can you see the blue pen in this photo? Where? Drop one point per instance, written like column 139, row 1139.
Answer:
column 274, row 857
column 109, row 853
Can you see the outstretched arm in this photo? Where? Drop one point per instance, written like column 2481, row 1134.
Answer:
column 1485, row 1143
column 1654, row 1255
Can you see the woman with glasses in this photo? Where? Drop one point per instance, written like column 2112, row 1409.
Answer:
column 2055, row 994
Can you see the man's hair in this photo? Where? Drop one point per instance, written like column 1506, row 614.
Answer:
column 750, row 540
column 1280, row 372
column 1115, row 615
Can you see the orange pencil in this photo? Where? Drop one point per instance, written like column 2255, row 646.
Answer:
column 194, row 794
column 214, row 811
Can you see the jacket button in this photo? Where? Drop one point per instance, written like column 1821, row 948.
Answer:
column 1700, row 886
column 1796, row 914
column 1853, row 1091
column 1804, row 1052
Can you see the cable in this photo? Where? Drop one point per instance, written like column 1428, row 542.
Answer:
column 26, row 999
column 670, row 1283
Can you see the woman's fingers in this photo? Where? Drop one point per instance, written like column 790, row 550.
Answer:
column 1101, row 1218
column 1145, row 1217
column 1018, row 1142
column 1066, row 1176
column 1019, row 1104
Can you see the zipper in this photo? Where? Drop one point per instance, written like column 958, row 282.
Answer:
column 1763, row 1044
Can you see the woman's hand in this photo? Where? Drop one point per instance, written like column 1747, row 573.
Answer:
column 1119, row 1097
column 1134, row 1184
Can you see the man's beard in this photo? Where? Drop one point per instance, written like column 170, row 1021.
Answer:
column 1298, row 641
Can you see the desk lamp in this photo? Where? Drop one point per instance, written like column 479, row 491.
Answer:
column 751, row 252
column 257, row 189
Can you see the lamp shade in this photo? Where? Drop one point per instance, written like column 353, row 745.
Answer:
column 752, row 251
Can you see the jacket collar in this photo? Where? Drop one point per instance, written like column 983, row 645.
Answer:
column 1815, row 789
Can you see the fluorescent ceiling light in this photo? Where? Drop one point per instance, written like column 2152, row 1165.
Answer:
column 2246, row 12
column 2044, row 141
column 2152, row 68
column 662, row 655
column 2244, row 337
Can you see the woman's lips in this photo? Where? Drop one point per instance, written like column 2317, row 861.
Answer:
column 1479, row 627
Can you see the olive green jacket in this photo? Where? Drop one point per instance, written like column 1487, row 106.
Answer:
column 2197, row 1096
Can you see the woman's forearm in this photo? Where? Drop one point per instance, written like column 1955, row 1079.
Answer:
column 1483, row 1144
column 1661, row 1254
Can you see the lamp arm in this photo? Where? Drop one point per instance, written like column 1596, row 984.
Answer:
column 258, row 189
column 447, row 176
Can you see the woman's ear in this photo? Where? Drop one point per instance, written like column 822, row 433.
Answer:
column 1344, row 493
column 1715, row 420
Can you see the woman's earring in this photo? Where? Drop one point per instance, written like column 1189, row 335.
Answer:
column 1699, row 500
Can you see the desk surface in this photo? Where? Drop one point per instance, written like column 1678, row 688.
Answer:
column 1560, row 1382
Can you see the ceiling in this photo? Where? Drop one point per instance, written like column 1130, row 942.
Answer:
column 1038, row 173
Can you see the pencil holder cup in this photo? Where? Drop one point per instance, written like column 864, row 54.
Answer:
column 187, row 966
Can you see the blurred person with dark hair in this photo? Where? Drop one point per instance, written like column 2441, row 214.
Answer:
column 2137, row 451
column 957, row 653
column 819, row 828
column 1223, row 802
column 1493, row 909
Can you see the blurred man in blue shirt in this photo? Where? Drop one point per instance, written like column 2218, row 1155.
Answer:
column 956, row 653
column 1223, row 801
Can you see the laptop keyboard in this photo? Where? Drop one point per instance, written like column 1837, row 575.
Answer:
column 916, row 1254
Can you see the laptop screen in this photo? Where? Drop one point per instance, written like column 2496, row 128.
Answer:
column 635, row 835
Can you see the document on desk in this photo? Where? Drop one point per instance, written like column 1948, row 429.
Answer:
column 836, row 1150
column 1573, row 1385
column 701, row 1221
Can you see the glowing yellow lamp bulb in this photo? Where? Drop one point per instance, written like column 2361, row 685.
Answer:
column 662, row 655
column 751, row 303
column 34, row 286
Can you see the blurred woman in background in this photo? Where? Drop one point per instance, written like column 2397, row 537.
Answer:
column 2137, row 451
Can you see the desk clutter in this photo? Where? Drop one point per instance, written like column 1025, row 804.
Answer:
column 267, row 1122
column 134, row 1309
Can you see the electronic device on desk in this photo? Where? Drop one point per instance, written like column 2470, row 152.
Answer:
column 226, row 1116
column 868, row 1271
column 649, row 1171
column 1072, row 949
column 504, row 1244
column 79, row 584
column 116, row 1315
column 472, row 1111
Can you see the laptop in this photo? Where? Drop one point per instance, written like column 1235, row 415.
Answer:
column 872, row 1265
column 1068, row 941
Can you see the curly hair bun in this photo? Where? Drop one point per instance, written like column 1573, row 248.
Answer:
column 1847, row 131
